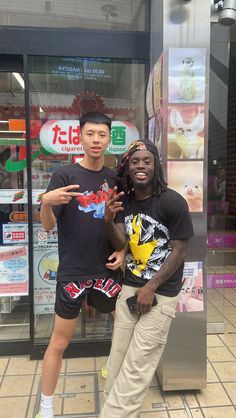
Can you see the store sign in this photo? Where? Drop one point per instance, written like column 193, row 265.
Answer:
column 63, row 137
column 20, row 196
column 15, row 233
column 221, row 281
column 23, row 216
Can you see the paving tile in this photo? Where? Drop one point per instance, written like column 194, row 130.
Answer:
column 80, row 365
column 21, row 366
column 231, row 390
column 153, row 396
column 219, row 412
column 219, row 354
column 180, row 413
column 191, row 400
column 213, row 395
column 174, row 400
column 79, row 384
column 3, row 365
column 229, row 340
column 214, row 341
column 81, row 403
column 196, row 413
column 211, row 374
column 13, row 407
column 231, row 318
column 226, row 371
column 16, row 386
column 156, row 414
column 100, row 362
column 229, row 328
column 233, row 350
column 31, row 407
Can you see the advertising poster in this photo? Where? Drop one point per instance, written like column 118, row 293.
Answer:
column 191, row 295
column 16, row 233
column 157, row 85
column 45, row 274
column 151, row 129
column 149, row 96
column 14, row 271
column 185, row 132
column 187, row 179
column 186, row 75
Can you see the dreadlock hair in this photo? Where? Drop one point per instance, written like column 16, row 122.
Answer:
column 159, row 184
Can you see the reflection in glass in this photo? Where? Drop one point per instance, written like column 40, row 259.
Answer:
column 14, row 315
column 62, row 89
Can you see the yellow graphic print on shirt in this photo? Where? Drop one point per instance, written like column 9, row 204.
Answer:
column 141, row 252
column 148, row 245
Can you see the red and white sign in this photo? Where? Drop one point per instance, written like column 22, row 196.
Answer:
column 63, row 137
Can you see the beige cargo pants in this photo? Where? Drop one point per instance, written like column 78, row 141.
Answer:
column 137, row 345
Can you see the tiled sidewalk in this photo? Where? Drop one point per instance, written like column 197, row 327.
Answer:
column 20, row 381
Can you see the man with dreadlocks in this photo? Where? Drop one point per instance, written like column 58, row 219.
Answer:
column 158, row 226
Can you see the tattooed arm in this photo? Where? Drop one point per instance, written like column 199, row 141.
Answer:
column 115, row 232
column 168, row 268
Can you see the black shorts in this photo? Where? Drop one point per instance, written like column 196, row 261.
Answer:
column 101, row 294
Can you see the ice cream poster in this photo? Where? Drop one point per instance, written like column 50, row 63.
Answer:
column 186, row 75
column 185, row 132
column 191, row 295
column 187, row 179
column 14, row 271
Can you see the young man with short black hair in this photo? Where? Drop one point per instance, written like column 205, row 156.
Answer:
column 88, row 262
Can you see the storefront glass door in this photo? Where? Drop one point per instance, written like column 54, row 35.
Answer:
column 14, row 278
column 61, row 90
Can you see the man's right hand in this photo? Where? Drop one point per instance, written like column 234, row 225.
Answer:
column 113, row 205
column 60, row 196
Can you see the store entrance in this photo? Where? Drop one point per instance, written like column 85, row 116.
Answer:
column 61, row 89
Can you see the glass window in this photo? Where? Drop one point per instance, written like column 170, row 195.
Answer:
column 14, row 306
column 61, row 90
column 83, row 14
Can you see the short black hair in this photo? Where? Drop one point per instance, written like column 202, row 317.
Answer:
column 95, row 117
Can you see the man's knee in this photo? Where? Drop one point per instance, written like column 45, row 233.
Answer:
column 59, row 343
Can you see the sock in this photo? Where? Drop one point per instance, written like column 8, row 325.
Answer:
column 46, row 410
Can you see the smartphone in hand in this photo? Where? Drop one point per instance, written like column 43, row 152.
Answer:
column 132, row 303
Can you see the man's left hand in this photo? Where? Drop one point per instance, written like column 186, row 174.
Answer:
column 116, row 260
column 145, row 297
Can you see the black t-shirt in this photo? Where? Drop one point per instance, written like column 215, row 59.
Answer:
column 150, row 226
column 82, row 242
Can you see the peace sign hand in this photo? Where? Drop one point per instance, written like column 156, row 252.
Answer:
column 60, row 196
column 113, row 205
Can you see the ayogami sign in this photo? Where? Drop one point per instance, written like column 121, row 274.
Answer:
column 63, row 137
